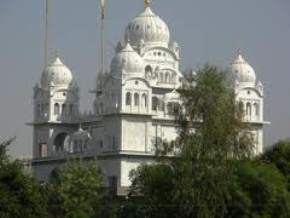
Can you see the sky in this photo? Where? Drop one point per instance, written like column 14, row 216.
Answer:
column 208, row 31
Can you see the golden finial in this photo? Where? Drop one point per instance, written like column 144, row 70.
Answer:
column 147, row 3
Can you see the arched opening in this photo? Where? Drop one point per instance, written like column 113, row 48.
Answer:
column 161, row 79
column 241, row 107
column 136, row 99
column 167, row 75
column 101, row 110
column 38, row 110
column 71, row 109
column 54, row 174
column 148, row 71
column 46, row 109
column 56, row 109
column 173, row 108
column 63, row 110
column 43, row 150
column 249, row 110
column 128, row 99
column 161, row 105
column 173, row 78
column 154, row 103
column 257, row 109
column 59, row 142
column 144, row 100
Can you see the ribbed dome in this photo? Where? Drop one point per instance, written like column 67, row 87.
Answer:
column 56, row 74
column 242, row 71
column 127, row 60
column 149, row 28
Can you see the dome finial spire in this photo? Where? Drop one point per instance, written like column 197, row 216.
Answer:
column 147, row 3
column 56, row 53
column 239, row 51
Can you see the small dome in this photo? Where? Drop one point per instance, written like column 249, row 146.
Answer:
column 242, row 72
column 56, row 74
column 81, row 135
column 172, row 96
column 149, row 28
column 127, row 60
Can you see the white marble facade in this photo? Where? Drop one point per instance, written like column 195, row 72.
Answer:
column 133, row 108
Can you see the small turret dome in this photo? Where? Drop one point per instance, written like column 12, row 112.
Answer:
column 242, row 72
column 127, row 60
column 81, row 135
column 56, row 74
column 148, row 28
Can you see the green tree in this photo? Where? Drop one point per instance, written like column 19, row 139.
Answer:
column 75, row 191
column 202, row 173
column 279, row 154
column 156, row 185
column 259, row 190
column 20, row 194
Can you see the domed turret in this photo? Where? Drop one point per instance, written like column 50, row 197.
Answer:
column 80, row 140
column 81, row 135
column 148, row 28
column 242, row 72
column 127, row 60
column 56, row 74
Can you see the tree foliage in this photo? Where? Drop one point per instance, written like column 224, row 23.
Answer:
column 76, row 190
column 259, row 190
column 20, row 194
column 200, row 177
column 279, row 154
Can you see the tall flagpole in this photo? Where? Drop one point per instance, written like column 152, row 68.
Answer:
column 103, row 5
column 46, row 33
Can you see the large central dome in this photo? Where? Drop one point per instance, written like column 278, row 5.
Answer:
column 148, row 28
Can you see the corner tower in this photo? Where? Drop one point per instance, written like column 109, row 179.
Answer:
column 56, row 107
column 250, row 94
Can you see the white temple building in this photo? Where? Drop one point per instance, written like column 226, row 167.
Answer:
column 133, row 109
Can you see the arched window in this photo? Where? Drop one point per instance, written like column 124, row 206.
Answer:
column 161, row 105
column 101, row 108
column 136, row 99
column 170, row 108
column 173, row 78
column 128, row 99
column 56, row 108
column 46, row 108
column 71, row 109
column 176, row 108
column 154, row 103
column 161, row 79
column 167, row 75
column 144, row 100
column 173, row 108
column 38, row 110
column 257, row 108
column 63, row 110
column 249, row 110
column 59, row 142
column 148, row 69
column 43, row 150
column 241, row 107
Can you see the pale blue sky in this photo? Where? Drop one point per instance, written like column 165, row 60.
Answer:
column 207, row 31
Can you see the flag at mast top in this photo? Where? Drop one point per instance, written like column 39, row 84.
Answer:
column 103, row 4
